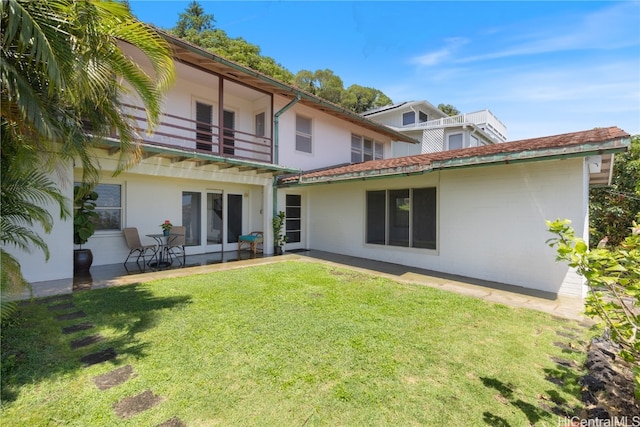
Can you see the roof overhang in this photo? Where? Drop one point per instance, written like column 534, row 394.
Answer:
column 176, row 155
column 604, row 149
column 188, row 53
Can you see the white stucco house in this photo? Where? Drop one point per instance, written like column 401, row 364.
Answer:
column 235, row 147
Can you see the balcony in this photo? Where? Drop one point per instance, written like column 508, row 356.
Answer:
column 483, row 119
column 187, row 134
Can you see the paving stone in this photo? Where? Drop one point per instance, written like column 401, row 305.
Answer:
column 130, row 406
column 85, row 341
column 65, row 306
column 113, row 378
column 71, row 316
column 76, row 328
column 173, row 422
column 98, row 357
column 55, row 298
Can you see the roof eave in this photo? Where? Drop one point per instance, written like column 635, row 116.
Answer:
column 581, row 150
column 352, row 116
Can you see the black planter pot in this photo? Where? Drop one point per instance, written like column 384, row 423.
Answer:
column 277, row 250
column 82, row 260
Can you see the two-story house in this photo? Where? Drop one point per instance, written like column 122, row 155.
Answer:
column 234, row 147
column 435, row 130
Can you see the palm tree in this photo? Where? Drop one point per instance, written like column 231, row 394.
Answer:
column 61, row 72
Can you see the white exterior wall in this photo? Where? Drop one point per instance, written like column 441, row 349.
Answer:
column 60, row 241
column 491, row 222
column 331, row 138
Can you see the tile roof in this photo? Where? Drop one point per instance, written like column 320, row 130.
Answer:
column 582, row 143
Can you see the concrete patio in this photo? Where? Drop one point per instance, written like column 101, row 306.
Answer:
column 119, row 274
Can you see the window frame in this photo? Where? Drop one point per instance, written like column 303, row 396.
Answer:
column 406, row 115
column 358, row 148
column 461, row 134
column 406, row 231
column 98, row 209
column 302, row 134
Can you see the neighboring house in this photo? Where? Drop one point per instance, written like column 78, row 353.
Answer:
column 437, row 131
column 231, row 149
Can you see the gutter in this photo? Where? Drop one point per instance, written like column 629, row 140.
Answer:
column 276, row 144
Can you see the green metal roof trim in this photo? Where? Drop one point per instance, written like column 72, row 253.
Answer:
column 456, row 159
column 352, row 116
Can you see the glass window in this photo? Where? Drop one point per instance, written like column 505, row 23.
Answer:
column 260, row 124
column 378, row 151
column 204, row 119
column 376, row 208
column 422, row 117
column 408, row 118
column 405, row 217
column 424, row 218
column 399, row 207
column 303, row 134
column 294, row 218
column 356, row 149
column 214, row 218
column 455, row 141
column 108, row 207
column 367, row 151
column 234, row 217
column 364, row 149
column 191, row 217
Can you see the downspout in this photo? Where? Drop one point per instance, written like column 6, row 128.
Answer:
column 276, row 137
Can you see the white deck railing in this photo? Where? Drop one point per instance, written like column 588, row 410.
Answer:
column 483, row 117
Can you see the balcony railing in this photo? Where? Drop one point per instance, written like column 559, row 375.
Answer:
column 200, row 137
column 484, row 117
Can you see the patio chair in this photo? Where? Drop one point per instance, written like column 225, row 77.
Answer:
column 252, row 240
column 134, row 244
column 176, row 243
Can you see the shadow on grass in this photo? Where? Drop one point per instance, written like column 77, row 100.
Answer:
column 34, row 346
column 564, row 376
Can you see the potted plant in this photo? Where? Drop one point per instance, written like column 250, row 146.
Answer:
column 279, row 237
column 84, row 201
column 166, row 227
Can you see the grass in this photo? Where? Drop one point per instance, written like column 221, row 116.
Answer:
column 294, row 344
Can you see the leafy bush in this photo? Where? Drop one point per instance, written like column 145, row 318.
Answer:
column 613, row 278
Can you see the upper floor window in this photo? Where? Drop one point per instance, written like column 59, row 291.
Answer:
column 108, row 207
column 422, row 117
column 408, row 118
column 303, row 134
column 260, row 124
column 455, row 141
column 364, row 149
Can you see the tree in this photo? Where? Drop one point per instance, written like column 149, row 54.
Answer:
column 613, row 209
column 194, row 20
column 198, row 28
column 62, row 72
column 360, row 99
column 613, row 278
column 448, row 109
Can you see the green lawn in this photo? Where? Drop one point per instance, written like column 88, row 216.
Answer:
column 293, row 344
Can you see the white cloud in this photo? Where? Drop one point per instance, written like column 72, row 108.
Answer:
column 440, row 55
column 610, row 28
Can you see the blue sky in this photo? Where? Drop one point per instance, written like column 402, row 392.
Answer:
column 542, row 67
